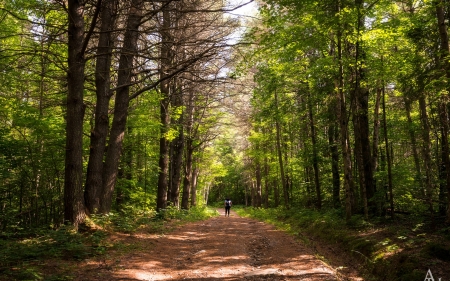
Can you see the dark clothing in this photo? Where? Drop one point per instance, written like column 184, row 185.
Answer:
column 227, row 207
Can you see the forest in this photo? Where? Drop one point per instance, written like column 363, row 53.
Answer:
column 141, row 107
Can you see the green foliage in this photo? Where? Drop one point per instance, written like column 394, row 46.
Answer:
column 193, row 214
column 18, row 252
column 22, row 253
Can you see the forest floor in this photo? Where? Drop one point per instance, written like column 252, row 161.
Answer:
column 220, row 248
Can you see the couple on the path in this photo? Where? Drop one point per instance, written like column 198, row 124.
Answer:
column 227, row 204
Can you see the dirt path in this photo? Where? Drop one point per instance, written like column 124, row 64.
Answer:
column 221, row 248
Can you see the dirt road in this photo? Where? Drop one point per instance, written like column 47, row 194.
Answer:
column 221, row 248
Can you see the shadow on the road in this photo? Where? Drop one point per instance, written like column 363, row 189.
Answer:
column 221, row 248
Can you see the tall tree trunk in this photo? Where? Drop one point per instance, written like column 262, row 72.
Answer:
column 426, row 152
column 443, row 116
column 74, row 210
column 359, row 156
column 315, row 155
column 442, row 178
column 343, row 124
column 362, row 100
column 177, row 148
column 129, row 51
column 445, row 64
column 187, row 180
column 166, row 61
column 376, row 132
column 375, row 141
column 388, row 157
column 94, row 175
column 280, row 155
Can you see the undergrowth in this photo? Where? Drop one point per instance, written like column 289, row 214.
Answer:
column 382, row 249
column 24, row 253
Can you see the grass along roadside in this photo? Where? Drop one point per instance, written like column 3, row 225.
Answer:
column 401, row 249
column 53, row 254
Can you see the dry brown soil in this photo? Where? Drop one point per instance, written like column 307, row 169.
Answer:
column 221, row 248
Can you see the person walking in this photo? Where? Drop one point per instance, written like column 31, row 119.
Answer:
column 228, row 204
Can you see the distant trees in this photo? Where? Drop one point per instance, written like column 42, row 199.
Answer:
column 369, row 76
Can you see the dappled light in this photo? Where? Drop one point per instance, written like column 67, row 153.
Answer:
column 221, row 248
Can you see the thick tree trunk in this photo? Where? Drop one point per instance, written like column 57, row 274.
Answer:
column 445, row 57
column 345, row 146
column 362, row 113
column 129, row 51
column 359, row 162
column 177, row 149
column 94, row 175
column 189, row 148
column 74, row 210
column 166, row 61
column 363, row 98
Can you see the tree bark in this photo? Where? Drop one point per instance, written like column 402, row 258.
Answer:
column 194, row 180
column 445, row 57
column 177, row 148
column 362, row 110
column 388, row 157
column 426, row 152
column 376, row 132
column 280, row 155
column 74, row 210
column 187, row 180
column 342, row 117
column 122, row 100
column 315, row 156
column 359, row 162
column 166, row 46
column 94, row 175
